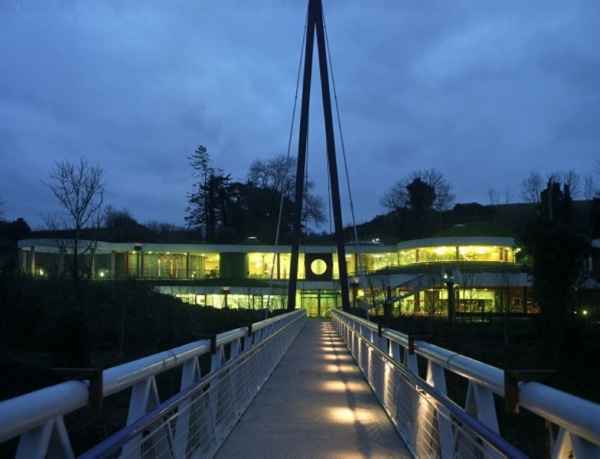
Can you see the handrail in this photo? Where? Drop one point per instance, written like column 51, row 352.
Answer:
column 576, row 415
column 114, row 442
column 25, row 412
column 491, row 437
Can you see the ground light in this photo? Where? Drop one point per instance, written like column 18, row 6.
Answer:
column 343, row 386
column 345, row 415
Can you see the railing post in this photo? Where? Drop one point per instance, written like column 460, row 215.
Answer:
column 437, row 378
column 48, row 440
column 144, row 397
column 190, row 374
column 480, row 404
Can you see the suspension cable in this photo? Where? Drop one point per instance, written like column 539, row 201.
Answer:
column 283, row 183
column 339, row 122
column 330, row 199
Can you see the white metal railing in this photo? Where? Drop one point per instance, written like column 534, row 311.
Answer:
column 38, row 417
column 574, row 423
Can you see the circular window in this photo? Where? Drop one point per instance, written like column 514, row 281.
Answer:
column 318, row 267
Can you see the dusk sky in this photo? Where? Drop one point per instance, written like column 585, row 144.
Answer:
column 483, row 91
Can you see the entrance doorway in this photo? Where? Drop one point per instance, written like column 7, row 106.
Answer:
column 318, row 303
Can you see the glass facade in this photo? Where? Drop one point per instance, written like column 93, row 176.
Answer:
column 486, row 253
column 371, row 262
column 235, row 301
column 167, row 265
column 407, row 257
column 350, row 265
column 452, row 253
column 234, row 264
column 438, row 254
column 269, row 265
column 204, row 265
column 164, row 265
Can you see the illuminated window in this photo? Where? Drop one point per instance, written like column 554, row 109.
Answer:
column 267, row 265
column 204, row 265
column 285, row 261
column 132, row 263
column 261, row 265
column 371, row 262
column 486, row 253
column 436, row 254
column 318, row 266
column 350, row 265
column 164, row 265
column 407, row 257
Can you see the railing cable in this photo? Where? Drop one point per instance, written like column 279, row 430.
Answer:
column 284, row 180
column 339, row 123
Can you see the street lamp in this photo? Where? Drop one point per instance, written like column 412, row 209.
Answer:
column 449, row 281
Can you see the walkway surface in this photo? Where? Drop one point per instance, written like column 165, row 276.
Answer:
column 315, row 405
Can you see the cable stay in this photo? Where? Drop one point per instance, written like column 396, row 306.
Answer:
column 283, row 185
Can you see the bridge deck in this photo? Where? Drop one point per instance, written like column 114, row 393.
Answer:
column 315, row 405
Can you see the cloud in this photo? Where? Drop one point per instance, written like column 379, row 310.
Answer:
column 483, row 92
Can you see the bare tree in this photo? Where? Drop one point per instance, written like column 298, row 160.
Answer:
column 397, row 197
column 493, row 197
column 79, row 189
column 279, row 174
column 589, row 187
column 573, row 180
column 531, row 187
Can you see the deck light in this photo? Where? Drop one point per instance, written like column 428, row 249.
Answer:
column 585, row 312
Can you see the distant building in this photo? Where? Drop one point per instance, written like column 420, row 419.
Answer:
column 484, row 271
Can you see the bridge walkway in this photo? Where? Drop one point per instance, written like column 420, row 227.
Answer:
column 316, row 404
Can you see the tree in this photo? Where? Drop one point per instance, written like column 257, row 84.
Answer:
column 201, row 213
column 571, row 179
column 558, row 253
column 114, row 218
column 398, row 196
column 79, row 189
column 278, row 174
column 2, row 206
column 589, row 187
column 421, row 196
column 493, row 197
column 531, row 187
column 121, row 226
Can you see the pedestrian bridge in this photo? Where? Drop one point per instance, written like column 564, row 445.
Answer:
column 293, row 387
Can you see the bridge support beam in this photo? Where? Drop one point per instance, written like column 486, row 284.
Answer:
column 315, row 25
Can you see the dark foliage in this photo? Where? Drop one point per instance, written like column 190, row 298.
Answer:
column 223, row 210
column 558, row 252
column 41, row 324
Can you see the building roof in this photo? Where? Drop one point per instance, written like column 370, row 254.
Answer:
column 54, row 245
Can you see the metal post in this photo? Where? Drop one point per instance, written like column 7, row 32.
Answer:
column 301, row 161
column 113, row 265
column 315, row 23
column 331, row 156
column 187, row 265
column 451, row 301
column 32, row 260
